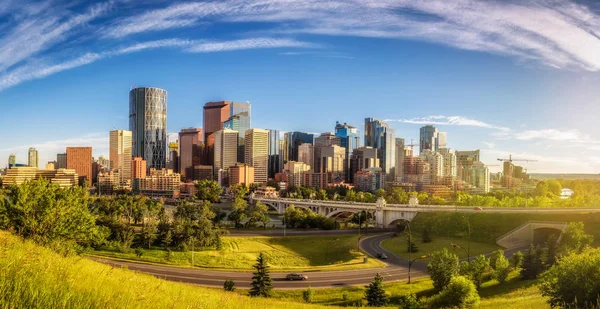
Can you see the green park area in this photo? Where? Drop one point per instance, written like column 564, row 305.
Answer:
column 338, row 252
column 399, row 245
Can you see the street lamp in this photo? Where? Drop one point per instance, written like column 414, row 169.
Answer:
column 410, row 260
column 467, row 251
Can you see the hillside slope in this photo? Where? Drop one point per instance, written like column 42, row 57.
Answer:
column 35, row 277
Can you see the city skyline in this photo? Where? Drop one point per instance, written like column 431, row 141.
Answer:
column 526, row 92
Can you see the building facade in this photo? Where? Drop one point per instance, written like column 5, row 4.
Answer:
column 436, row 165
column 275, row 164
column 225, row 152
column 190, row 151
column 379, row 135
column 203, row 172
column 241, row 174
column 33, row 160
column 61, row 160
column 350, row 140
column 12, row 160
column 292, row 140
column 362, row 158
column 333, row 160
column 162, row 182
column 306, row 155
column 80, row 160
column 138, row 168
column 148, row 124
column 369, row 179
column 257, row 153
column 120, row 154
column 295, row 170
column 63, row 178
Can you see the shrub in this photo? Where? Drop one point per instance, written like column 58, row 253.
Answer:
column 516, row 260
column 229, row 286
column 375, row 294
column 409, row 302
column 573, row 280
column 307, row 295
column 459, row 293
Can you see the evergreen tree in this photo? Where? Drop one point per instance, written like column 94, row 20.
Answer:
column 539, row 260
column 261, row 280
column 229, row 285
column 551, row 248
column 426, row 235
column 375, row 294
column 516, row 260
column 528, row 268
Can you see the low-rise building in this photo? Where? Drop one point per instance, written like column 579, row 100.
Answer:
column 369, row 179
column 64, row 178
column 241, row 174
column 163, row 182
column 266, row 192
column 203, row 172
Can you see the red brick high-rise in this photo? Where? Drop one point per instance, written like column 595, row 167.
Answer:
column 80, row 160
column 138, row 168
column 215, row 114
column 190, row 151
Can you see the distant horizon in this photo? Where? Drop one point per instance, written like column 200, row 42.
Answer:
column 503, row 77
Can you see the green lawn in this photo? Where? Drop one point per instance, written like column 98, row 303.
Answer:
column 398, row 246
column 337, row 252
column 515, row 293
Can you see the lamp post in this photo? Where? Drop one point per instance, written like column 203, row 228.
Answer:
column 358, row 239
column 466, row 250
column 410, row 262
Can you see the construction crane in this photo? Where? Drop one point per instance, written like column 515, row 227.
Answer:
column 412, row 145
column 510, row 159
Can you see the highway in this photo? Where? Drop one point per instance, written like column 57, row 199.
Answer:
column 395, row 271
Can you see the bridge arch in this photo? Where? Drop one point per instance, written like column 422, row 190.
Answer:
column 540, row 235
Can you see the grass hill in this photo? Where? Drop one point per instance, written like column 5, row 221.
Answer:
column 35, row 277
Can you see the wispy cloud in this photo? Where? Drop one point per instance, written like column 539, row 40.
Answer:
column 321, row 54
column 450, row 121
column 39, row 70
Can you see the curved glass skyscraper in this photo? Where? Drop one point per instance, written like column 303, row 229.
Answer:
column 148, row 124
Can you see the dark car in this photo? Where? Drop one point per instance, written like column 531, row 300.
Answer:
column 382, row 256
column 296, row 277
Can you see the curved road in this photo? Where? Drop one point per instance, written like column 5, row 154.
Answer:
column 396, row 270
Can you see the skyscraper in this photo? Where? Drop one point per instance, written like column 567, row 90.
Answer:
column 138, row 168
column 379, row 135
column 12, row 160
column 430, row 138
column 436, row 164
column 294, row 139
column 80, row 160
column 450, row 165
column 33, row 158
column 225, row 146
column 190, row 151
column 324, row 140
column 215, row 113
column 148, row 124
column 225, row 114
column 306, row 155
column 120, row 153
column 400, row 154
column 350, row 139
column 274, row 155
column 257, row 153
column 332, row 160
column 61, row 160
column 240, row 123
column 362, row 158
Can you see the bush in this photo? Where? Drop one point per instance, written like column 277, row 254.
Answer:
column 345, row 296
column 573, row 280
column 477, row 270
column 409, row 302
column 307, row 295
column 229, row 286
column 443, row 266
column 516, row 260
column 139, row 252
column 459, row 293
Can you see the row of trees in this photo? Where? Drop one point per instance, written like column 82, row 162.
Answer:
column 71, row 218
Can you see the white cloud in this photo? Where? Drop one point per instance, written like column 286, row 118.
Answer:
column 39, row 70
column 450, row 121
column 489, row 144
column 557, row 33
column 552, row 134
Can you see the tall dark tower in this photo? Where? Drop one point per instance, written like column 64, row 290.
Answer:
column 148, row 124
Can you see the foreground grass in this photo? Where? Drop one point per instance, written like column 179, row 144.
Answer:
column 35, row 277
column 330, row 252
column 514, row 293
column 398, row 245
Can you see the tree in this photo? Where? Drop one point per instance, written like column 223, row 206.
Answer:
column 293, row 216
column 410, row 244
column 426, row 235
column 459, row 293
column 442, row 267
column 261, row 280
column 307, row 295
column 541, row 189
column 238, row 211
column 554, row 187
column 551, row 251
column 229, row 286
column 375, row 294
column 573, row 280
column 574, row 238
column 209, row 190
column 516, row 260
column 257, row 213
column 477, row 270
column 531, row 264
column 239, row 191
column 500, row 265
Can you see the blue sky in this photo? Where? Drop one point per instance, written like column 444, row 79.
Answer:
column 504, row 77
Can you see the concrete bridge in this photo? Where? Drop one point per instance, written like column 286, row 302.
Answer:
column 532, row 232
column 389, row 214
